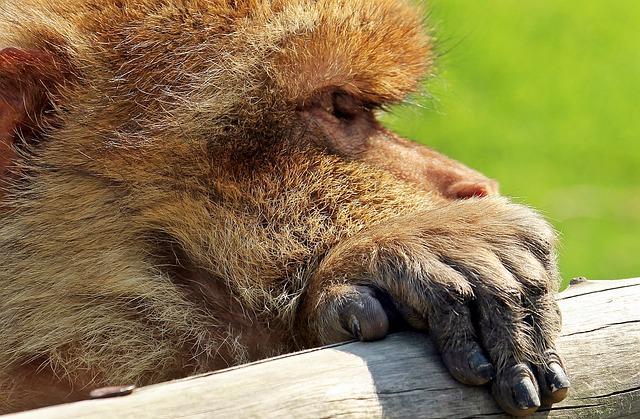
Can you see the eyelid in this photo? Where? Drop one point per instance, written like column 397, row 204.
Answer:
column 349, row 106
column 341, row 104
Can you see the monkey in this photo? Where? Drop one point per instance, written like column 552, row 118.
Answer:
column 189, row 185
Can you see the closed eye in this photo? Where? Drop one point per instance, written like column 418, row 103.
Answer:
column 346, row 107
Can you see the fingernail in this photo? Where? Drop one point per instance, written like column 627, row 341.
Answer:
column 525, row 393
column 481, row 365
column 355, row 328
column 115, row 391
column 557, row 382
column 557, row 378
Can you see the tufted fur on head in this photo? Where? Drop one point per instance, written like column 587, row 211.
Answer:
column 202, row 66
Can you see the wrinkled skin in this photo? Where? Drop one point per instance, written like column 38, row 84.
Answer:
column 192, row 185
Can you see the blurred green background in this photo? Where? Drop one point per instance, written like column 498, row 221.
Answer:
column 544, row 96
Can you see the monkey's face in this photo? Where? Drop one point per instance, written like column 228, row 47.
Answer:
column 346, row 125
column 234, row 76
column 323, row 84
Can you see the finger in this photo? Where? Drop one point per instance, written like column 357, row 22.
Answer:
column 552, row 379
column 499, row 312
column 451, row 325
column 505, row 333
column 545, row 321
column 515, row 389
column 543, row 316
column 362, row 314
column 351, row 311
column 468, row 364
column 434, row 296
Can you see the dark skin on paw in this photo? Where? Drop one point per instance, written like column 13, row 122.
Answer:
column 190, row 185
column 483, row 335
column 520, row 389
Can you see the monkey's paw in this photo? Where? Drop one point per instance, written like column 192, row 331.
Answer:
column 479, row 275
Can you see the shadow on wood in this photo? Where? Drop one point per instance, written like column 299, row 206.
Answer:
column 402, row 375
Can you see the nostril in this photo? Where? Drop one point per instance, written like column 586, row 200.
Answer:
column 471, row 192
column 465, row 190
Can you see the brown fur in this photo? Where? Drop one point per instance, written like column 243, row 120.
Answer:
column 195, row 184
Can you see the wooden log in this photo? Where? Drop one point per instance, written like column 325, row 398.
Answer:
column 402, row 375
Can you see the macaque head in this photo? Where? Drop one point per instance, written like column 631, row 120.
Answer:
column 253, row 83
column 187, row 185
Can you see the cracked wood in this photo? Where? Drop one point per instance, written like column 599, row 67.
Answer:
column 402, row 375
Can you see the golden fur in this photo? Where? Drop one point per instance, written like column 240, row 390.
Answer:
column 194, row 184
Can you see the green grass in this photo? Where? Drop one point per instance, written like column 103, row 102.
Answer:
column 544, row 95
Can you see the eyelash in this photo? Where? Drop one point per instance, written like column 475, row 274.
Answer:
column 351, row 108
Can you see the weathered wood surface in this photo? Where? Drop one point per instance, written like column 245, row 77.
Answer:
column 402, row 376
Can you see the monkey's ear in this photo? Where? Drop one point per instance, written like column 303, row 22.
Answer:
column 27, row 80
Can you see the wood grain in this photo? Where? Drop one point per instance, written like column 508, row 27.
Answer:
column 402, row 375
